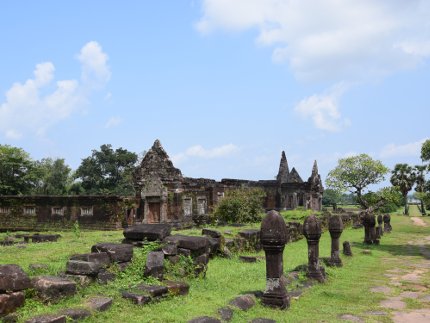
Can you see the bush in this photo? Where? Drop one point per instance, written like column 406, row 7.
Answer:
column 243, row 205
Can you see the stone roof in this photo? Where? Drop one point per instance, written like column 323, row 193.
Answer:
column 294, row 177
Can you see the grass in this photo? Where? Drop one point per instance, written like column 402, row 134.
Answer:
column 345, row 292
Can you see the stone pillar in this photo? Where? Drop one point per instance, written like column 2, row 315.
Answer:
column 379, row 231
column 273, row 237
column 347, row 249
column 312, row 232
column 369, row 228
column 335, row 227
column 387, row 224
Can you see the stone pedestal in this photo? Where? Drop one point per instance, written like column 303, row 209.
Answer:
column 335, row 227
column 273, row 239
column 312, row 232
column 369, row 228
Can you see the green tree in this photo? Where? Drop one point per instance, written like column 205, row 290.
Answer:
column 425, row 151
column 403, row 177
column 420, row 180
column 243, row 205
column 355, row 174
column 107, row 171
column 16, row 171
column 391, row 197
column 53, row 177
column 331, row 197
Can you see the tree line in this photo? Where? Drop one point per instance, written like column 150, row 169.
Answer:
column 105, row 171
column 355, row 174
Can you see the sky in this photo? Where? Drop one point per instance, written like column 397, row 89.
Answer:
column 225, row 85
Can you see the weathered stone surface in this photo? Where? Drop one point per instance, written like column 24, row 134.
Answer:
column 243, row 302
column 136, row 298
column 48, row 318
column 211, row 233
column 105, row 276
column 50, row 288
column 101, row 258
column 347, row 248
column 45, row 237
column 81, row 280
column 123, row 265
column 117, row 252
column 170, row 249
column 10, row 302
column 248, row 258
column 226, row 313
column 76, row 314
column 155, row 264
column 201, row 263
column 153, row 290
column 184, row 252
column 252, row 237
column 78, row 267
column 173, row 259
column 99, row 303
column 335, row 227
column 204, row 319
column 176, row 287
column 312, row 232
column 150, row 232
column 13, row 278
column 197, row 245
column 214, row 245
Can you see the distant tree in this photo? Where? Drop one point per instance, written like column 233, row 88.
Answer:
column 391, row 197
column 53, row 177
column 355, row 174
column 420, row 180
column 331, row 197
column 107, row 171
column 425, row 151
column 403, row 177
column 16, row 171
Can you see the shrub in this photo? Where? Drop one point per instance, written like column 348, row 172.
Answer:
column 243, row 205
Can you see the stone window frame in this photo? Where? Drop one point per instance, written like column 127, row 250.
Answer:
column 29, row 210
column 4, row 210
column 58, row 210
column 202, row 198
column 189, row 198
column 87, row 211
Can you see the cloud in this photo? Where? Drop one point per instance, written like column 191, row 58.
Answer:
column 113, row 122
column 323, row 109
column 35, row 105
column 201, row 152
column 412, row 149
column 330, row 39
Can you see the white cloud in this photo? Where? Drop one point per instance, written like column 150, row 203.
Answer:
column 113, row 122
column 201, row 152
column 330, row 39
column 323, row 109
column 37, row 104
column 412, row 149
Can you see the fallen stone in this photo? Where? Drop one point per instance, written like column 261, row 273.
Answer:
column 101, row 258
column 204, row 319
column 105, row 276
column 211, row 233
column 150, row 232
column 45, row 237
column 262, row 320
column 226, row 313
column 214, row 245
column 153, row 290
column 184, row 252
column 10, row 302
column 136, row 298
column 170, row 249
column 243, row 302
column 176, row 287
column 117, row 252
column 155, row 264
column 99, row 303
column 173, row 259
column 81, row 280
column 197, row 245
column 48, row 318
column 13, row 278
column 248, row 258
column 78, row 267
column 76, row 313
column 52, row 289
column 252, row 237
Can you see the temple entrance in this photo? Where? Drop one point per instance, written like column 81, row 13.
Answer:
column 153, row 212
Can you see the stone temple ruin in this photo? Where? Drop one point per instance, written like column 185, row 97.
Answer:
column 166, row 196
column 163, row 195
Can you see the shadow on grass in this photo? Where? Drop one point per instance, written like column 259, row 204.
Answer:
column 396, row 249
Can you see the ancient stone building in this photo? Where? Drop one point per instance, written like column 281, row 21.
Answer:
column 166, row 196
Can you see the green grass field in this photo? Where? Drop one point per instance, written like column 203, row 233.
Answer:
column 346, row 289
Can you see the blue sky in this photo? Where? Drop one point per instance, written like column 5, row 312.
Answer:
column 225, row 85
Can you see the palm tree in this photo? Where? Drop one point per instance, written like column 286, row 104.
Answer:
column 403, row 177
column 420, row 180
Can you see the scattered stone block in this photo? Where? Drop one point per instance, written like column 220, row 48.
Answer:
column 101, row 258
column 173, row 259
column 117, row 252
column 48, row 318
column 155, row 264
column 262, row 320
column 136, row 298
column 153, row 290
column 99, row 303
column 78, row 267
column 52, row 289
column 252, row 238
column 243, row 302
column 176, row 287
column 248, row 259
column 150, row 232
column 184, row 252
column 226, row 313
column 76, row 314
column 105, row 276
column 214, row 245
column 197, row 245
column 13, row 278
column 170, row 249
column 81, row 280
column 211, row 233
column 45, row 237
column 204, row 319
column 9, row 302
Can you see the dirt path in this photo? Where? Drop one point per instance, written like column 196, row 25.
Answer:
column 418, row 221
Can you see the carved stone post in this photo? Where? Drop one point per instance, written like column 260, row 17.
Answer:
column 273, row 237
column 387, row 224
column 369, row 228
column 347, row 249
column 335, row 227
column 379, row 231
column 312, row 232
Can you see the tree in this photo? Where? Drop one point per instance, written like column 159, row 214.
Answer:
column 54, row 177
column 331, row 197
column 355, row 174
column 391, row 196
column 16, row 171
column 403, row 177
column 107, row 171
column 425, row 151
column 420, row 180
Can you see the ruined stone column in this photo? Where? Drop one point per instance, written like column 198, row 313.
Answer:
column 387, row 224
column 369, row 228
column 347, row 249
column 379, row 231
column 335, row 227
column 273, row 237
column 312, row 232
